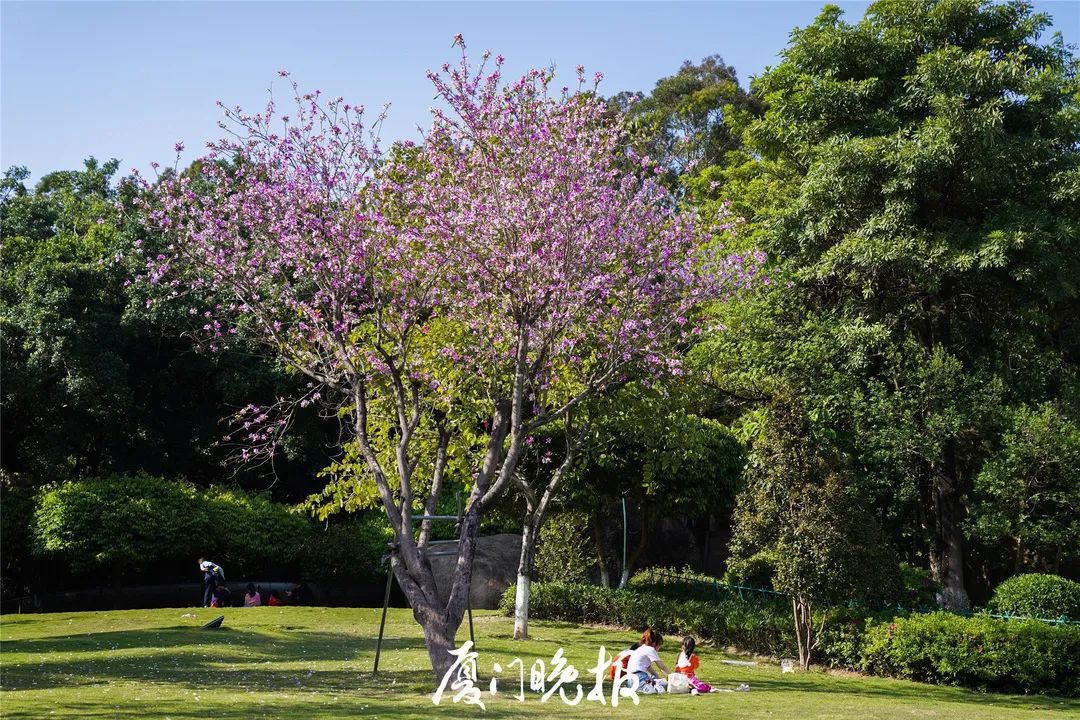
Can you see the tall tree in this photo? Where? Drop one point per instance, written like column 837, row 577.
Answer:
column 800, row 520
column 686, row 122
column 917, row 176
column 511, row 267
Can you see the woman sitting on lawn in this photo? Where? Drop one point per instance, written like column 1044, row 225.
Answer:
column 642, row 660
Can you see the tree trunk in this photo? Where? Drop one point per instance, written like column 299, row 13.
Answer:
column 804, row 629
column 440, row 640
column 799, row 631
column 524, row 577
column 950, row 539
column 644, row 523
column 440, row 627
column 598, row 545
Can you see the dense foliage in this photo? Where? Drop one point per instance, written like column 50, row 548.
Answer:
column 1020, row 656
column 976, row 651
column 1039, row 596
column 915, row 176
column 121, row 526
column 96, row 382
column 562, row 553
column 800, row 523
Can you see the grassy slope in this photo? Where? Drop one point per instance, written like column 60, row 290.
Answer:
column 316, row 663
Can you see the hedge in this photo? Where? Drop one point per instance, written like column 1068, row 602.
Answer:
column 977, row 652
column 1019, row 656
column 1035, row 595
column 762, row 628
column 122, row 525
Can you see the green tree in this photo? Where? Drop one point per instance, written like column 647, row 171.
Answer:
column 1027, row 495
column 916, row 179
column 799, row 519
column 97, row 379
column 658, row 446
column 685, row 122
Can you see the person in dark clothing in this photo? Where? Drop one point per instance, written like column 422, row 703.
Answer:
column 213, row 576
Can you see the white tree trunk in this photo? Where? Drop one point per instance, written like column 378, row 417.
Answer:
column 521, row 607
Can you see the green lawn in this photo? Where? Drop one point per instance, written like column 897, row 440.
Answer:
column 316, row 663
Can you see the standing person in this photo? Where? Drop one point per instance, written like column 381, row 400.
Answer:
column 687, row 664
column 642, row 660
column 253, row 598
column 213, row 576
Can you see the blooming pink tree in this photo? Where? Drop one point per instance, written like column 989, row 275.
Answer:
column 495, row 275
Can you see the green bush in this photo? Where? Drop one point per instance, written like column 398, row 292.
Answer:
column 920, row 588
column 978, row 652
column 761, row 628
column 562, row 555
column 250, row 534
column 350, row 549
column 1035, row 595
column 16, row 539
column 1024, row 656
column 120, row 525
column 119, row 522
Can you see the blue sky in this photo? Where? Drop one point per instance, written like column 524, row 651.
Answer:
column 129, row 79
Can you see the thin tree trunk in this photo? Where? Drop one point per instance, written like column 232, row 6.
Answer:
column 524, row 576
column 536, row 511
column 644, row 518
column 799, row 631
column 601, row 556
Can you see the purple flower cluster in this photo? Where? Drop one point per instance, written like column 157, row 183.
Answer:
column 508, row 254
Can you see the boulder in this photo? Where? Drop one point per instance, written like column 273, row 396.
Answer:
column 494, row 570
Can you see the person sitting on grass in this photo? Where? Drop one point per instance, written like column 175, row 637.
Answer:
column 275, row 599
column 621, row 660
column 220, row 597
column 687, row 664
column 253, row 598
column 642, row 660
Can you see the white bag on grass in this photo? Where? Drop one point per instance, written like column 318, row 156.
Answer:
column 678, row 684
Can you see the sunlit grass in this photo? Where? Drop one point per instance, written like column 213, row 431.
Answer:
column 317, row 663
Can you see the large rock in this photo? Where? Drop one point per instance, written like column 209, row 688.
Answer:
column 494, row 570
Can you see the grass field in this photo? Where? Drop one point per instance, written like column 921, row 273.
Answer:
column 317, row 662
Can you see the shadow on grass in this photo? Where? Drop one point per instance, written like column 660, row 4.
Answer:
column 293, row 708
column 269, row 643
column 197, row 658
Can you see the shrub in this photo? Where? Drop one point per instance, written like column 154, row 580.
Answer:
column 250, row 534
column 978, row 652
column 119, row 522
column 350, row 549
column 130, row 524
column 562, row 555
column 920, row 588
column 762, row 628
column 16, row 518
column 1035, row 595
column 1023, row 656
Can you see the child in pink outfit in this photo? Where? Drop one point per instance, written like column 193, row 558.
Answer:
column 687, row 664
